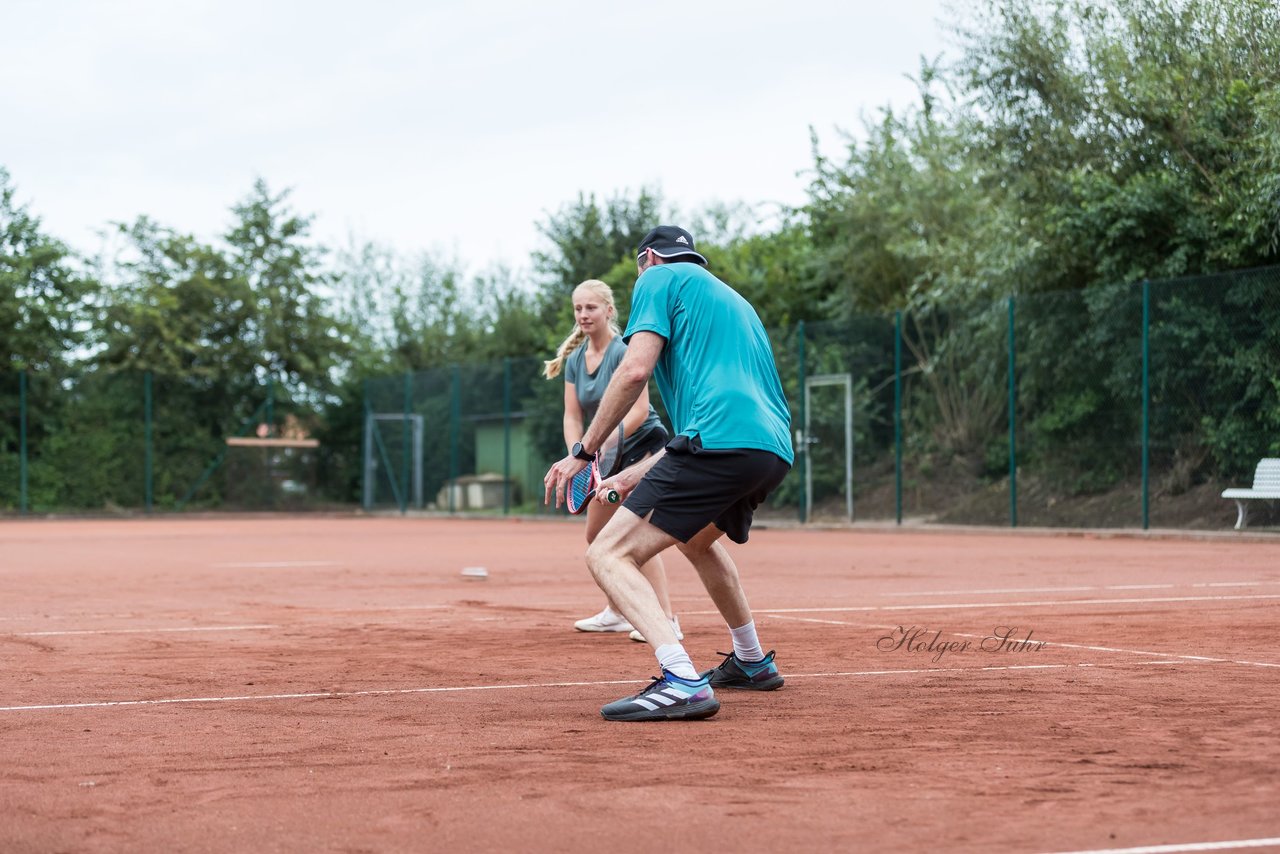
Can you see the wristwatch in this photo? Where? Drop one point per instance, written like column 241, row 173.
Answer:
column 581, row 452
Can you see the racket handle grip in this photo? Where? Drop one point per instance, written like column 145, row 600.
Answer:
column 612, row 496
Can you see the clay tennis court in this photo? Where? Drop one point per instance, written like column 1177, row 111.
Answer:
column 335, row 684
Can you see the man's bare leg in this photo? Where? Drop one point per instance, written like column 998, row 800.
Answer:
column 719, row 575
column 615, row 558
column 653, row 569
column 749, row 667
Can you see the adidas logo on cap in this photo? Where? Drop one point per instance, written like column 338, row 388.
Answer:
column 682, row 239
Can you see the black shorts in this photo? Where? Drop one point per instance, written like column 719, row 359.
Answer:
column 648, row 443
column 692, row 487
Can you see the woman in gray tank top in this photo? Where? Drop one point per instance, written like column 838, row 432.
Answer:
column 588, row 358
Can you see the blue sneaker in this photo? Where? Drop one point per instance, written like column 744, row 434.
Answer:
column 733, row 672
column 667, row 698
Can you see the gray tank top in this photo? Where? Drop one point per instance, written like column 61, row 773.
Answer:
column 591, row 386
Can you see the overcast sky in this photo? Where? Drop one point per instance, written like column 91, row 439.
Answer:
column 452, row 127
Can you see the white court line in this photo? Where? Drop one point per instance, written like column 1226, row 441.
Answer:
column 1165, row 655
column 1160, row 654
column 1036, row 604
column 1180, row 657
column 991, row 590
column 316, row 695
column 143, row 631
column 983, row 592
column 1184, row 846
column 385, row 692
column 270, row 564
column 1234, row 583
column 370, row 608
column 345, row 610
column 928, row 670
column 22, row 618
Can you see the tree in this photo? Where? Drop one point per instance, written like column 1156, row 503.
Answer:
column 297, row 340
column 364, row 281
column 44, row 297
column 907, row 223
column 773, row 270
column 1136, row 140
column 1137, row 137
column 177, row 307
column 42, row 293
column 587, row 241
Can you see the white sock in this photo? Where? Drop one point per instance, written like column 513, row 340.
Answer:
column 673, row 659
column 745, row 643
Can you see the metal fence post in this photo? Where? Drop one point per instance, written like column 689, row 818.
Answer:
column 1146, row 403
column 803, row 450
column 22, row 442
column 455, row 432
column 148, row 449
column 1013, row 423
column 406, row 443
column 367, row 485
column 897, row 414
column 506, row 436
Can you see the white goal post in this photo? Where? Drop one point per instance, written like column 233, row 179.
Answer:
column 375, row 451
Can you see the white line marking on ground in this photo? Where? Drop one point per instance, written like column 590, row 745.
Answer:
column 145, row 631
column 1185, row 846
column 385, row 692
column 316, row 695
column 1080, row 589
column 1161, row 654
column 1165, row 655
column 991, row 590
column 1037, row 604
column 1234, row 583
column 20, row 617
column 272, row 564
column 816, row 620
column 369, row 608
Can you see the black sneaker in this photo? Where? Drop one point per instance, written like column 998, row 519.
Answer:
column 667, row 698
column 733, row 672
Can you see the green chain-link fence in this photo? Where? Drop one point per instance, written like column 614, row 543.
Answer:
column 1129, row 406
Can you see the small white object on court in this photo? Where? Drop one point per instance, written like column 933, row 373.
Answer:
column 477, row 572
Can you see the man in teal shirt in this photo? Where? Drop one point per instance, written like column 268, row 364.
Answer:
column 709, row 352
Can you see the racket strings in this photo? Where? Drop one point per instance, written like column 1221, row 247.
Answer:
column 580, row 489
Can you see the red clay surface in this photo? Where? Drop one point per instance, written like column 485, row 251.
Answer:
column 335, row 684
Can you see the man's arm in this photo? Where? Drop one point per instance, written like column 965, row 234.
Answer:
column 629, row 380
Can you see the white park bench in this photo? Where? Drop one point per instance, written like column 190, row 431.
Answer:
column 1266, row 485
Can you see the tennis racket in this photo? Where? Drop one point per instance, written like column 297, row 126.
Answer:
column 585, row 483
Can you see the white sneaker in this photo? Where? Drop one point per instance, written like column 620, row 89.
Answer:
column 607, row 620
column 675, row 624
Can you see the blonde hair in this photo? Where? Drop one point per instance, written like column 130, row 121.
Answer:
column 552, row 368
